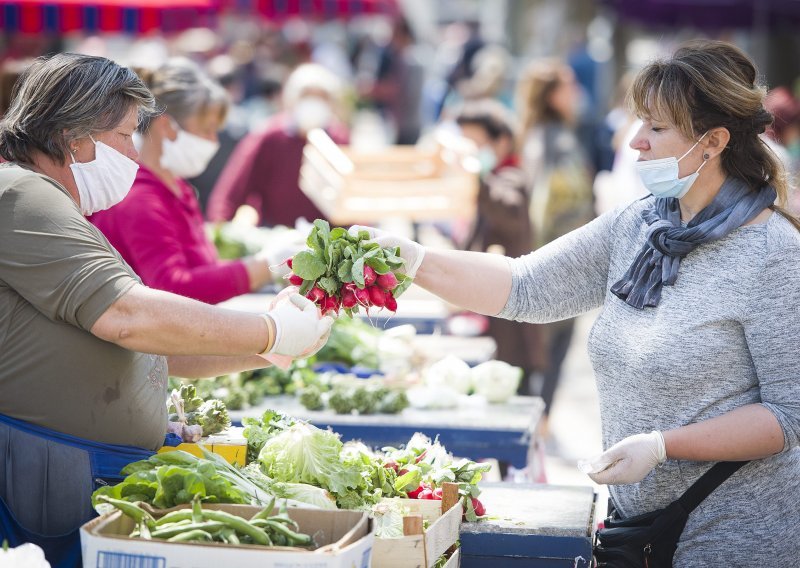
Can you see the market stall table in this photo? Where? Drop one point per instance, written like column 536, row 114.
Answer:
column 505, row 432
column 531, row 526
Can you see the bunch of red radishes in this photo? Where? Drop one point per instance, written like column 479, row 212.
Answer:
column 347, row 271
column 426, row 491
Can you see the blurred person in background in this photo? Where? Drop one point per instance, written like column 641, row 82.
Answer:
column 158, row 228
column 244, row 115
column 785, row 133
column 264, row 169
column 396, row 88
column 560, row 177
column 86, row 348
column 503, row 223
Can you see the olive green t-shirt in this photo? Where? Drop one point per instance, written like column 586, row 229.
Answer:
column 58, row 274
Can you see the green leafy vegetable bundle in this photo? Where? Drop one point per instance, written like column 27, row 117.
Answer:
column 343, row 271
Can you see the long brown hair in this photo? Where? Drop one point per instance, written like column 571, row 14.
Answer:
column 711, row 84
column 535, row 86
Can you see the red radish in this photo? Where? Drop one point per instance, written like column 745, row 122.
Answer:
column 437, row 494
column 414, row 494
column 377, row 296
column 402, row 471
column 480, row 510
column 316, row 295
column 421, row 456
column 295, row 280
column 348, row 298
column 289, row 263
column 369, row 276
column 391, row 464
column 391, row 303
column 363, row 297
column 426, row 494
column 331, row 304
column 387, row 281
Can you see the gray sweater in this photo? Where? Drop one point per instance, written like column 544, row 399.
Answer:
column 725, row 335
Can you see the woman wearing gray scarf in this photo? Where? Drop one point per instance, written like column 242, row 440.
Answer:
column 695, row 349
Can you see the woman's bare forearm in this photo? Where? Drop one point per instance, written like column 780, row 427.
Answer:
column 201, row 367
column 475, row 281
column 746, row 433
column 152, row 321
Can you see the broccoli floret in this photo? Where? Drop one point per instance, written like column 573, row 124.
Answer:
column 393, row 402
column 311, row 398
column 341, row 401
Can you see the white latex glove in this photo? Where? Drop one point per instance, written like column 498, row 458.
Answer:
column 301, row 331
column 412, row 252
column 627, row 461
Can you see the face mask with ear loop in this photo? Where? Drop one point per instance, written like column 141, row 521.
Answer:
column 188, row 155
column 105, row 181
column 660, row 177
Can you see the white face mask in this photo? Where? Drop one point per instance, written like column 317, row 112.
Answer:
column 660, row 177
column 188, row 155
column 311, row 113
column 105, row 181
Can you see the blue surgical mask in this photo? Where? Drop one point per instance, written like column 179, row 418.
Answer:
column 660, row 177
column 487, row 159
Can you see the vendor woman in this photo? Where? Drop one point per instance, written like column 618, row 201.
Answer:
column 85, row 347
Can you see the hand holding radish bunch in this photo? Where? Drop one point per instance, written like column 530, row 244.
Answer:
column 347, row 270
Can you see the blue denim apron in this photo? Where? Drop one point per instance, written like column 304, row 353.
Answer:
column 38, row 445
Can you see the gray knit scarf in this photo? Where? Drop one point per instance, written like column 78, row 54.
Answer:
column 668, row 242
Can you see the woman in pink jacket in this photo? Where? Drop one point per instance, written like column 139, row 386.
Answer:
column 158, row 228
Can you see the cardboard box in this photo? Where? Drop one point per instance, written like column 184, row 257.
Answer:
column 345, row 540
column 229, row 444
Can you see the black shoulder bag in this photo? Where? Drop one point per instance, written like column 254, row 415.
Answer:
column 649, row 540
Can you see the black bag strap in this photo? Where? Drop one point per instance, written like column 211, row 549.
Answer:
column 707, row 483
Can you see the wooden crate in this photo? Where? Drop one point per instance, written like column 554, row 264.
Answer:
column 422, row 548
column 399, row 182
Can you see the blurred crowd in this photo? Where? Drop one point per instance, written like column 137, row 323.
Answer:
column 236, row 113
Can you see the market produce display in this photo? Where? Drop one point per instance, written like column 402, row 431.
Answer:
column 291, row 459
column 345, row 271
column 205, row 525
column 191, row 417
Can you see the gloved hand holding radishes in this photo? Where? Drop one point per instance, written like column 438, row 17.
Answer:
column 411, row 252
column 346, row 270
column 297, row 329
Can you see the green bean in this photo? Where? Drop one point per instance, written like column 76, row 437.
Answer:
column 196, row 534
column 130, row 509
column 229, row 535
column 172, row 531
column 197, row 510
column 144, row 530
column 285, row 521
column 279, row 528
column 240, row 525
column 175, row 524
column 264, row 513
column 279, row 540
column 175, row 516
